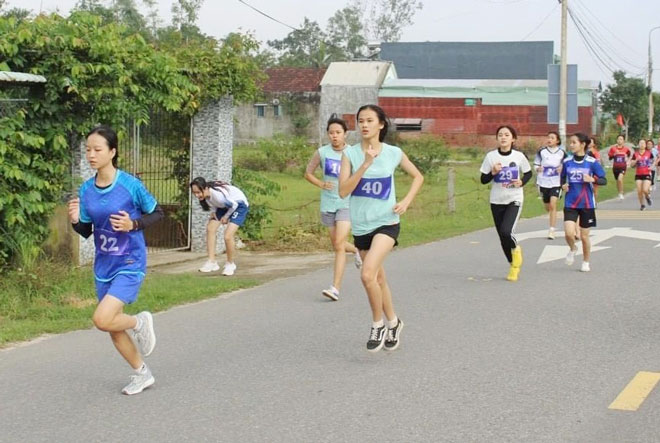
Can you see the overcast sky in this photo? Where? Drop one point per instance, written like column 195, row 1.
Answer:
column 621, row 27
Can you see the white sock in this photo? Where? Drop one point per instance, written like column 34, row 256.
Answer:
column 378, row 324
column 142, row 369
column 138, row 323
column 392, row 323
column 552, row 228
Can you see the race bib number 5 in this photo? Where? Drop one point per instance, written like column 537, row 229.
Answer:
column 507, row 175
column 576, row 175
column 332, row 167
column 110, row 242
column 378, row 188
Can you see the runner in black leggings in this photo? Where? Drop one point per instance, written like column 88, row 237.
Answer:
column 509, row 170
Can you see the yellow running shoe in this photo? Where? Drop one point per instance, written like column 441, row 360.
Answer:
column 513, row 273
column 516, row 256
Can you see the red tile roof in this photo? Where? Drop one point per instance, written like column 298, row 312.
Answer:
column 293, row 79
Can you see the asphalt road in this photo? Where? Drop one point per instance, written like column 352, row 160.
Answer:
column 481, row 359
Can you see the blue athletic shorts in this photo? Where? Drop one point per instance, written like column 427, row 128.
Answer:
column 124, row 287
column 237, row 217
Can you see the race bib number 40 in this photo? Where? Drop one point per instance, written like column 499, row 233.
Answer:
column 576, row 175
column 332, row 167
column 378, row 188
column 110, row 242
column 507, row 175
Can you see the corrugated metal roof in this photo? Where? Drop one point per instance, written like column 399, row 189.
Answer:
column 358, row 73
column 501, row 60
column 491, row 92
column 20, row 77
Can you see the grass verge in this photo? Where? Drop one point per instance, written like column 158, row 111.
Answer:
column 56, row 298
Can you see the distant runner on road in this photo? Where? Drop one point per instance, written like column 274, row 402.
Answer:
column 578, row 175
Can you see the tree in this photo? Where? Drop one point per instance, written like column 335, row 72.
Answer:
column 303, row 47
column 184, row 17
column 628, row 97
column 345, row 32
column 384, row 20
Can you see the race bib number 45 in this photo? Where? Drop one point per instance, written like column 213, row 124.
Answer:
column 378, row 188
column 507, row 175
column 110, row 242
column 576, row 175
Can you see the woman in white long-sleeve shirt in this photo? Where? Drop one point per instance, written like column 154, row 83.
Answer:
column 230, row 207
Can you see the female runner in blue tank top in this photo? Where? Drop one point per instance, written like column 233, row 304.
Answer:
column 116, row 207
column 334, row 210
column 367, row 175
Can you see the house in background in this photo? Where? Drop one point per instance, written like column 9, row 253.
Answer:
column 467, row 112
column 289, row 105
column 462, row 91
column 345, row 87
column 470, row 60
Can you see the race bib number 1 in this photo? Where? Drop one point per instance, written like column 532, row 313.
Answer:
column 331, row 167
column 110, row 242
column 378, row 188
column 576, row 175
column 507, row 175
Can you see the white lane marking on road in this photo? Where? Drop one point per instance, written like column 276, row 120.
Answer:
column 556, row 252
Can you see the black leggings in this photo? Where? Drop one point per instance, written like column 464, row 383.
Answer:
column 505, row 218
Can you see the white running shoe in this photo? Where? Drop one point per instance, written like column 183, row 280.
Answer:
column 210, row 266
column 358, row 260
column 332, row 293
column 585, row 267
column 570, row 257
column 620, row 196
column 229, row 269
column 139, row 382
column 551, row 234
column 145, row 336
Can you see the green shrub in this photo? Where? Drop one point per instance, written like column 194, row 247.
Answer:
column 428, row 153
column 255, row 186
column 280, row 153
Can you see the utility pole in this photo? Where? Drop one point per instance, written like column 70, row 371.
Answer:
column 563, row 86
column 651, row 84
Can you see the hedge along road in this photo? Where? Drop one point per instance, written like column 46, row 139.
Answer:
column 481, row 359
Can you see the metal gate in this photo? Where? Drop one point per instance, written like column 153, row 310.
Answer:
column 159, row 154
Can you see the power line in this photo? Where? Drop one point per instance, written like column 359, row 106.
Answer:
column 594, row 46
column 584, row 6
column 268, row 16
column 594, row 55
column 601, row 37
column 542, row 22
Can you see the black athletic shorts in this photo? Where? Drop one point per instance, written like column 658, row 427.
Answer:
column 643, row 177
column 363, row 242
column 587, row 216
column 547, row 193
column 618, row 172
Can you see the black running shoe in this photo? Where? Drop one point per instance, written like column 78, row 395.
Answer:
column 642, row 208
column 393, row 334
column 376, row 338
column 649, row 201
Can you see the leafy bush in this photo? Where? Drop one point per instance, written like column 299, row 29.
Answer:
column 428, row 153
column 277, row 154
column 255, row 185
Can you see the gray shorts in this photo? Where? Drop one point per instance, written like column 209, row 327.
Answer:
column 328, row 219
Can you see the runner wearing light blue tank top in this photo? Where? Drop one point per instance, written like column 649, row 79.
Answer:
column 367, row 175
column 334, row 209
column 373, row 199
